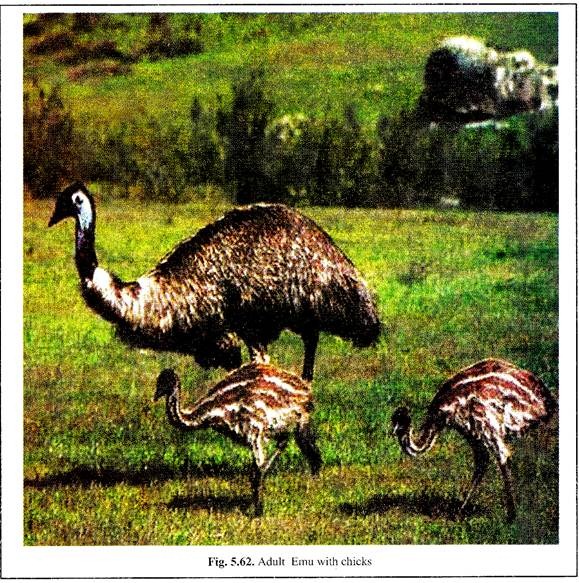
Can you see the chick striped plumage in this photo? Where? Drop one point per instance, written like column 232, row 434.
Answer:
column 488, row 403
column 256, row 405
column 491, row 401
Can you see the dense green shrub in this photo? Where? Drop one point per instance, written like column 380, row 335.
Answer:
column 204, row 161
column 327, row 161
column 344, row 172
column 290, row 155
column 117, row 161
column 241, row 127
column 408, row 152
column 295, row 159
column 49, row 153
column 489, row 170
column 509, row 166
column 148, row 158
column 162, row 161
column 543, row 158
column 359, row 168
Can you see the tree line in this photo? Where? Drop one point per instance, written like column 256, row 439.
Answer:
column 242, row 149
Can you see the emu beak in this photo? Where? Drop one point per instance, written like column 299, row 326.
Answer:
column 63, row 209
column 58, row 214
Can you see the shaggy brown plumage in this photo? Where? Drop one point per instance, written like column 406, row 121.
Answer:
column 249, row 275
column 487, row 402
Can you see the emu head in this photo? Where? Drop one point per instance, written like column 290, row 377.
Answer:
column 168, row 384
column 74, row 201
column 400, row 421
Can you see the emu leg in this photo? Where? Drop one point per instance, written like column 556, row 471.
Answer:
column 481, row 461
column 257, row 489
column 280, row 446
column 261, row 465
column 310, row 346
column 509, row 497
column 306, row 441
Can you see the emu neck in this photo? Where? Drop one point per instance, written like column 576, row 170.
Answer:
column 85, row 256
column 178, row 418
column 417, row 443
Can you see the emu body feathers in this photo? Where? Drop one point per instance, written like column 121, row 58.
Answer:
column 247, row 276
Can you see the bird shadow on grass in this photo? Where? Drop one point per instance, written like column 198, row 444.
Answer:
column 211, row 503
column 430, row 505
column 83, row 476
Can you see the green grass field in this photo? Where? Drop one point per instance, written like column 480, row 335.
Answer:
column 103, row 467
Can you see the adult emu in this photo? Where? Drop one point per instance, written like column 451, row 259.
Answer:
column 249, row 275
column 488, row 403
column 255, row 405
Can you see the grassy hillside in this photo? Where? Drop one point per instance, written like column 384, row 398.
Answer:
column 102, row 465
column 316, row 63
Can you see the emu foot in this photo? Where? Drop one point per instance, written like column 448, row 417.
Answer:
column 257, row 510
column 511, row 514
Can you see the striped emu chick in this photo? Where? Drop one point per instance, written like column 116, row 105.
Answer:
column 256, row 405
column 488, row 403
column 246, row 277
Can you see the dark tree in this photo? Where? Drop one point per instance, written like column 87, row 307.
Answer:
column 48, row 142
column 204, row 162
column 544, row 160
column 242, row 129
